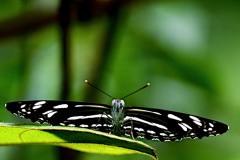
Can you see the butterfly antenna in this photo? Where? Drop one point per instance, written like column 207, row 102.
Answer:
column 86, row 81
column 143, row 87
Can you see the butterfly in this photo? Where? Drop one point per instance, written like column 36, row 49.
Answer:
column 135, row 122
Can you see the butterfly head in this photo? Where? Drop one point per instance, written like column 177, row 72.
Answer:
column 118, row 104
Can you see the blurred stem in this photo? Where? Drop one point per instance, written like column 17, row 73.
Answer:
column 64, row 23
column 26, row 23
column 39, row 18
column 103, row 59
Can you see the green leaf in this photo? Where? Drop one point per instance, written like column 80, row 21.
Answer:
column 74, row 138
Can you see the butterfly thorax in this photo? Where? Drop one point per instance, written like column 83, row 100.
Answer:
column 117, row 115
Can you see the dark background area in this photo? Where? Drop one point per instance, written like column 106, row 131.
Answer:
column 188, row 50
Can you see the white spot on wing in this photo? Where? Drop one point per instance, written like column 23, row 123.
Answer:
column 36, row 107
column 162, row 134
column 171, row 135
column 83, row 125
column 197, row 123
column 142, row 110
column 171, row 116
column 96, row 125
column 110, row 125
column 151, row 132
column 127, row 127
column 61, row 106
column 94, row 106
column 107, row 125
column 99, row 125
column 210, row 129
column 44, row 113
column 211, row 125
column 186, row 125
column 195, row 118
column 88, row 117
column 93, row 125
column 49, row 115
column 138, row 129
column 146, row 122
column 40, row 103
column 23, row 105
column 24, row 110
column 183, row 127
column 140, row 136
column 192, row 134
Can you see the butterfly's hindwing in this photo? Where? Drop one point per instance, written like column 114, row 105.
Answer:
column 157, row 124
column 65, row 113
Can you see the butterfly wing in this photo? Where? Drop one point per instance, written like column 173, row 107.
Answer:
column 65, row 113
column 163, row 125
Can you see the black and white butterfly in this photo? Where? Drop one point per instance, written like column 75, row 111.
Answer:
column 138, row 122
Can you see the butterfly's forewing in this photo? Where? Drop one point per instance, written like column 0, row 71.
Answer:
column 65, row 113
column 157, row 124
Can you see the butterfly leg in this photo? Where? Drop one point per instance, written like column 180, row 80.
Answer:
column 109, row 120
column 105, row 114
column 109, row 117
column 131, row 132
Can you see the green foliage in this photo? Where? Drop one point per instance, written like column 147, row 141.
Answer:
column 188, row 50
column 74, row 138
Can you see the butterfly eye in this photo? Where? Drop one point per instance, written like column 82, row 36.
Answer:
column 118, row 103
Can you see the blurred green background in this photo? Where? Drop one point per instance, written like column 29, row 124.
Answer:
column 188, row 50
